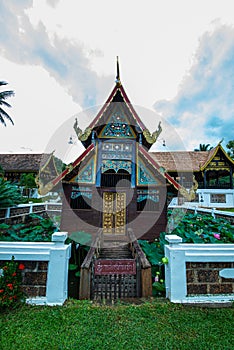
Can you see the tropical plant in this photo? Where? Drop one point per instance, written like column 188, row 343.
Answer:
column 203, row 147
column 9, row 194
column 3, row 96
column 27, row 181
column 193, row 228
column 154, row 252
column 38, row 230
column 11, row 294
column 230, row 146
column 197, row 228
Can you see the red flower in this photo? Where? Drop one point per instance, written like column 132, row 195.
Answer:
column 1, row 290
column 10, row 298
column 21, row 267
column 10, row 286
column 5, row 268
column 14, row 274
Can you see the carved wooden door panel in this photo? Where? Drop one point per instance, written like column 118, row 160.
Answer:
column 114, row 212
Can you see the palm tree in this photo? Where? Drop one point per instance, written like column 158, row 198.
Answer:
column 230, row 146
column 3, row 96
column 204, row 147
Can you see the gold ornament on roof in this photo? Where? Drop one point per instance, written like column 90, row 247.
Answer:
column 191, row 194
column 43, row 189
column 82, row 136
column 152, row 138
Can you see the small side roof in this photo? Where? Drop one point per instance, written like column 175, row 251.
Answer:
column 21, row 162
column 187, row 161
column 181, row 160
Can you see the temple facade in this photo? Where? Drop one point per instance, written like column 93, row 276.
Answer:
column 115, row 184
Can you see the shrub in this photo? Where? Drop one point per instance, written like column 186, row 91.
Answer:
column 192, row 228
column 39, row 230
column 9, row 194
column 197, row 228
column 11, row 294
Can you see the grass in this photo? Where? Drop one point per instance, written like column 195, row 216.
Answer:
column 226, row 209
column 81, row 325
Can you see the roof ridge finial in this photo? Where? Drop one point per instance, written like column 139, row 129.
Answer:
column 118, row 82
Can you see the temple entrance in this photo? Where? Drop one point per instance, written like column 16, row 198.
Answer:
column 114, row 213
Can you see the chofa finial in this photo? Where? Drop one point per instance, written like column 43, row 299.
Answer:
column 118, row 82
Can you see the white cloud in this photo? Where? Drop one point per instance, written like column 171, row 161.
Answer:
column 69, row 49
column 204, row 105
column 40, row 105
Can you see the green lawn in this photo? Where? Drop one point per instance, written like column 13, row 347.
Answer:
column 152, row 325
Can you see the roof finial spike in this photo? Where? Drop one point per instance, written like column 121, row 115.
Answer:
column 118, row 82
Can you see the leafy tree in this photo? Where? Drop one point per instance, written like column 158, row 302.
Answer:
column 204, row 147
column 9, row 194
column 230, row 146
column 3, row 96
column 28, row 181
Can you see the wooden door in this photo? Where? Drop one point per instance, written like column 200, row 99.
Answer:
column 114, row 213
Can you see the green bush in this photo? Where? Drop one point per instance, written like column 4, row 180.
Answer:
column 192, row 228
column 9, row 194
column 197, row 228
column 11, row 294
column 39, row 230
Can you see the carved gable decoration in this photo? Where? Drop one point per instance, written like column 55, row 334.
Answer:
column 219, row 162
column 145, row 176
column 86, row 173
column 117, row 126
column 116, row 165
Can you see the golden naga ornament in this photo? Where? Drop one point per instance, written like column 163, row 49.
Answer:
column 43, row 189
column 191, row 194
column 152, row 138
column 82, row 136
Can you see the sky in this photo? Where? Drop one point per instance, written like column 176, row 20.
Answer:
column 59, row 57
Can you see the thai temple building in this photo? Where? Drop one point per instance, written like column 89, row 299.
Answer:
column 118, row 191
column 117, row 184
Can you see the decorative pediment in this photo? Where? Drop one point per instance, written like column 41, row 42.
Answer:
column 145, row 176
column 116, row 165
column 86, row 173
column 117, row 127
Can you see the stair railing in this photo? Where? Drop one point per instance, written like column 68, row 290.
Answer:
column 86, row 267
column 145, row 267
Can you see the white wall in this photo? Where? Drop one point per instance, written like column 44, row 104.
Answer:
column 56, row 253
column 179, row 253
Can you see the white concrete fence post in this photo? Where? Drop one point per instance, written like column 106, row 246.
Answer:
column 57, row 280
column 175, row 272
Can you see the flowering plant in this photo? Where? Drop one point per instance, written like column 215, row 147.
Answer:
column 11, row 293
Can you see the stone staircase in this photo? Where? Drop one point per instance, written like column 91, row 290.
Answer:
column 113, row 275
column 115, row 268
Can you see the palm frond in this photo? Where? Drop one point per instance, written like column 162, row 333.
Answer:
column 3, row 115
column 6, row 94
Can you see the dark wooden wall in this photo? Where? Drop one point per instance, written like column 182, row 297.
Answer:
column 145, row 224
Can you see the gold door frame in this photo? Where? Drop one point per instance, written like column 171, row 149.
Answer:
column 114, row 213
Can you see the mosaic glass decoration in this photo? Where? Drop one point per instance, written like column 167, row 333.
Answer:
column 117, row 127
column 116, row 165
column 145, row 177
column 147, row 194
column 117, row 150
column 86, row 174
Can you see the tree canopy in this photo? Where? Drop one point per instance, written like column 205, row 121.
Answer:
column 230, row 146
column 3, row 96
column 204, row 147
